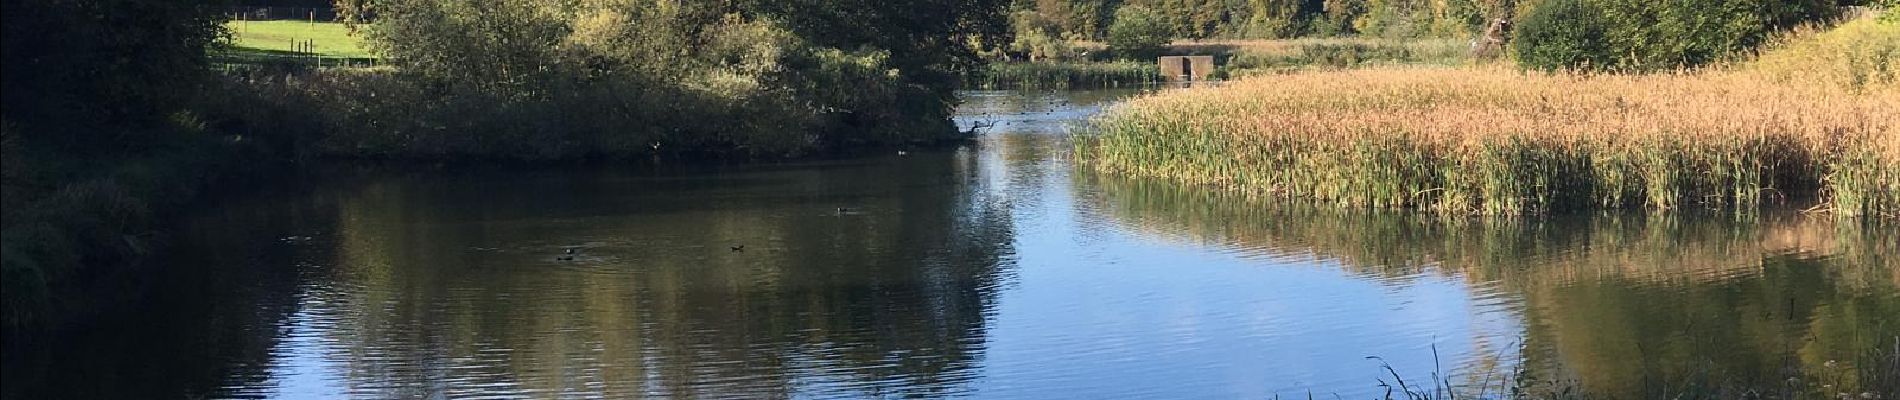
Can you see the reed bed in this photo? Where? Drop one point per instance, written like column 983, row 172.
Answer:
column 1497, row 141
column 1816, row 116
column 1064, row 75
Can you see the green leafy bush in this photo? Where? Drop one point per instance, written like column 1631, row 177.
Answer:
column 102, row 76
column 676, row 79
column 1563, row 34
column 1645, row 35
column 1138, row 33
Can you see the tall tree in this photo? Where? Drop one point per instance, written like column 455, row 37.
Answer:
column 925, row 38
column 1278, row 18
column 86, row 75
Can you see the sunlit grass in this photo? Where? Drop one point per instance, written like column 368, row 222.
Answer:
column 1817, row 114
column 329, row 39
column 1498, row 141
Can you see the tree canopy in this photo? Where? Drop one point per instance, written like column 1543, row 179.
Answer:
column 1197, row 19
column 73, row 68
column 1642, row 35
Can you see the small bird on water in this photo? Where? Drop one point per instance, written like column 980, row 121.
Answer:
column 568, row 254
column 738, row 248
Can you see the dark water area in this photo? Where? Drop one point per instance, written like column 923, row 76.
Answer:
column 995, row 270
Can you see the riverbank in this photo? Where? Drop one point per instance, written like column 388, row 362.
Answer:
column 1236, row 59
column 389, row 114
column 1064, row 75
column 1499, row 141
column 99, row 151
column 79, row 239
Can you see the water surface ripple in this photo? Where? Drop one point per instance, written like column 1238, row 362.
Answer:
column 996, row 270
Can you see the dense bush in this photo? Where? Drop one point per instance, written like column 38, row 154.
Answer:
column 94, row 124
column 101, row 76
column 1039, row 39
column 1199, row 19
column 1644, row 35
column 112, row 118
column 1562, row 34
column 622, row 78
column 1138, row 33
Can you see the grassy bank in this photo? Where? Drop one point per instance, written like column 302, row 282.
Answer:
column 1064, row 75
column 387, row 114
column 99, row 151
column 1251, row 57
column 79, row 236
column 280, row 45
column 328, row 39
column 1236, row 58
column 1499, row 141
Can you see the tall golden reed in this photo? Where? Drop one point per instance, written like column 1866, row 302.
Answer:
column 1501, row 141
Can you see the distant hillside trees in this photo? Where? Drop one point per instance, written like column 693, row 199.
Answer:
column 1637, row 35
column 1198, row 19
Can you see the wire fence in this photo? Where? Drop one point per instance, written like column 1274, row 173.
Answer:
column 257, row 13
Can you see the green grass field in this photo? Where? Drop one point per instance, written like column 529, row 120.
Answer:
column 331, row 39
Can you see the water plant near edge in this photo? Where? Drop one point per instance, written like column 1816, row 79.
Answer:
column 1500, row 142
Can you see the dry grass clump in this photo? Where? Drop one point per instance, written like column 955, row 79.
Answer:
column 1499, row 141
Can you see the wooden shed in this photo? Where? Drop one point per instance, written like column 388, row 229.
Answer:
column 1186, row 68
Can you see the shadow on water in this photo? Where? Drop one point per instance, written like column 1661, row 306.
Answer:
column 209, row 309
column 829, row 278
column 1626, row 306
column 997, row 270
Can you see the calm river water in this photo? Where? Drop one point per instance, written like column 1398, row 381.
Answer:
column 997, row 270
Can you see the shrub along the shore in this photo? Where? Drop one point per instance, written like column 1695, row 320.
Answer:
column 1502, row 142
column 621, row 79
column 98, row 150
column 1647, row 35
